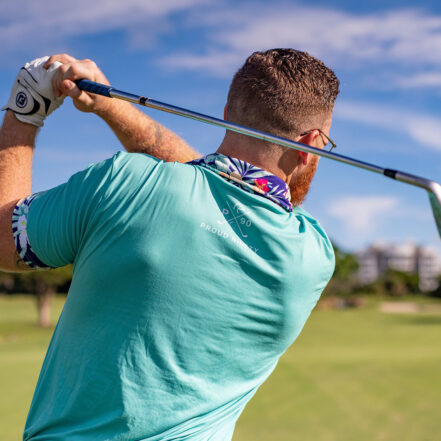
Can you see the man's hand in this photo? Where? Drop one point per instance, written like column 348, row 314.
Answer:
column 72, row 69
column 32, row 97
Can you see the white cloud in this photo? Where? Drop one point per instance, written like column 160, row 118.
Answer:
column 362, row 214
column 231, row 31
column 27, row 23
column 216, row 62
column 388, row 37
column 422, row 128
column 427, row 79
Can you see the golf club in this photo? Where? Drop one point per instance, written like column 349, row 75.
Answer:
column 433, row 188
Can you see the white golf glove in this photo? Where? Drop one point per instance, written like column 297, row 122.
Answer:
column 32, row 97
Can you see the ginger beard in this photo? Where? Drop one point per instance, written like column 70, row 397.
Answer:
column 300, row 187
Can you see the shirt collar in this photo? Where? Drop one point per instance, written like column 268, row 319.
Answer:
column 251, row 178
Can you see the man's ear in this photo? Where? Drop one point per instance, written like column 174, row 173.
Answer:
column 307, row 139
column 225, row 112
column 303, row 157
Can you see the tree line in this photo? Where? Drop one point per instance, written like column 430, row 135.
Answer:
column 42, row 284
column 392, row 283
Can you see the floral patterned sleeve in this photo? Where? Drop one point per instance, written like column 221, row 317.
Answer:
column 19, row 229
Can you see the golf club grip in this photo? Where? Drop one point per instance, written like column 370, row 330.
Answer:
column 92, row 87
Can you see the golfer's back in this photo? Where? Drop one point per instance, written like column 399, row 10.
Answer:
column 186, row 291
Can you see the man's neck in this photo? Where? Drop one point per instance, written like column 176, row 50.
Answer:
column 279, row 165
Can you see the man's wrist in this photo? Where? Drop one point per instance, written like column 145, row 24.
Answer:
column 14, row 132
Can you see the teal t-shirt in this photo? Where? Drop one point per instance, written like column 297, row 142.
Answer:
column 186, row 291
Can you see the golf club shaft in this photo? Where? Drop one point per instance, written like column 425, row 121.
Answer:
column 111, row 92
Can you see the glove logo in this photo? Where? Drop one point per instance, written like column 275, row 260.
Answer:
column 21, row 100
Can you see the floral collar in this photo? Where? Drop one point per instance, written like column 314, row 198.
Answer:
column 249, row 177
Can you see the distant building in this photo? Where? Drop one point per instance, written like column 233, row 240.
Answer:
column 408, row 257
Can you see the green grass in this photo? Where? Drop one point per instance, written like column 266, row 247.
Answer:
column 352, row 375
column 22, row 348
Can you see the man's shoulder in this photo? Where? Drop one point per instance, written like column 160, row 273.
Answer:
column 122, row 158
column 312, row 222
column 129, row 172
column 132, row 167
column 317, row 235
column 143, row 162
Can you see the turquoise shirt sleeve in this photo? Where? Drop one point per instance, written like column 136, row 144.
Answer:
column 58, row 218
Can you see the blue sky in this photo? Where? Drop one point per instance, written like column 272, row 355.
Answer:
column 387, row 55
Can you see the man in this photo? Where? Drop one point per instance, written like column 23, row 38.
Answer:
column 190, row 279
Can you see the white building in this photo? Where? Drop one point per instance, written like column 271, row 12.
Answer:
column 408, row 257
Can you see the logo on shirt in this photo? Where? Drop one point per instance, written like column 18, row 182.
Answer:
column 235, row 215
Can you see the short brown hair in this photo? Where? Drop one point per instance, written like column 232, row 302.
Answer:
column 282, row 91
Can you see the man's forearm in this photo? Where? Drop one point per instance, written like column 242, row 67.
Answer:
column 135, row 130
column 138, row 133
column 17, row 141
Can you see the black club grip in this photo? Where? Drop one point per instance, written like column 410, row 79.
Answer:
column 92, row 87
